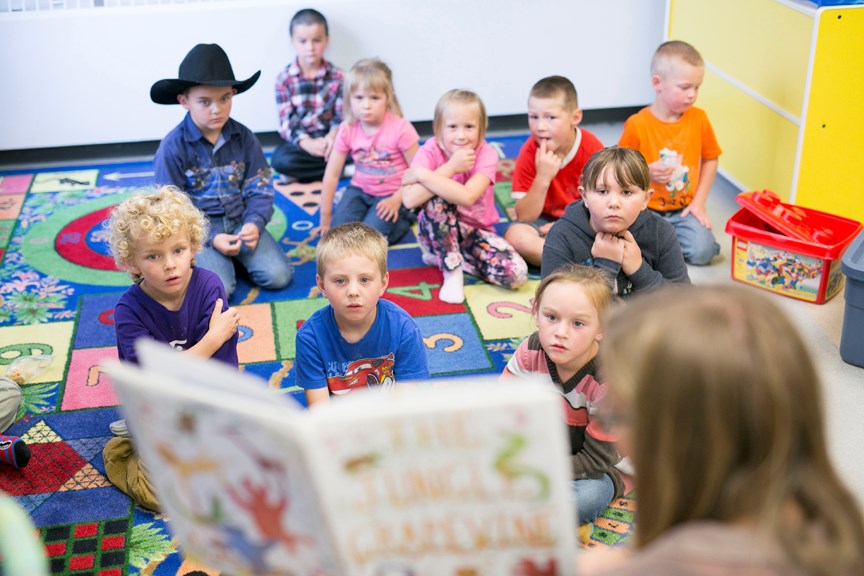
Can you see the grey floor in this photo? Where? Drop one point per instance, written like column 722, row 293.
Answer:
column 820, row 325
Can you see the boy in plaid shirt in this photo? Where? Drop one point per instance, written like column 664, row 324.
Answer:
column 309, row 100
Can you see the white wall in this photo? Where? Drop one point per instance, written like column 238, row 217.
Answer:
column 83, row 76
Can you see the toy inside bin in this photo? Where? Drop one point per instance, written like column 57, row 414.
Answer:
column 788, row 249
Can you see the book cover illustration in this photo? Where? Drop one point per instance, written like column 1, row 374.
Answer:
column 229, row 472
column 466, row 479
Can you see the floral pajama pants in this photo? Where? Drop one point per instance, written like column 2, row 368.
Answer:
column 479, row 252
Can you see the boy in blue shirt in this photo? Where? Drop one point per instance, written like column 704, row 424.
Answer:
column 219, row 163
column 359, row 340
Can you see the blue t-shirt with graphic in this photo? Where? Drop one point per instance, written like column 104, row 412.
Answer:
column 392, row 350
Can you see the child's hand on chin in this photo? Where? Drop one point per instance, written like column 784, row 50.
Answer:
column 463, row 159
column 608, row 246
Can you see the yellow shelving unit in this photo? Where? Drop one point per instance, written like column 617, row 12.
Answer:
column 783, row 90
column 831, row 147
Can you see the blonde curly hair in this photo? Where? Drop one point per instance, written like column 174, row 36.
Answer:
column 155, row 216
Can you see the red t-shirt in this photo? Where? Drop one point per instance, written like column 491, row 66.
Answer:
column 564, row 188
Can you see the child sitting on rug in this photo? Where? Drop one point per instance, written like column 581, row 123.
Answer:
column 611, row 230
column 220, row 164
column 13, row 450
column 359, row 340
column 309, row 102
column 451, row 179
column 382, row 144
column 714, row 396
column 550, row 163
column 569, row 308
column 156, row 237
column 679, row 144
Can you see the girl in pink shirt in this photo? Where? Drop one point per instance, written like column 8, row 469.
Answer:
column 382, row 144
column 451, row 179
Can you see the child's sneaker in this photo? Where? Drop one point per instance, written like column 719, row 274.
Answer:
column 119, row 428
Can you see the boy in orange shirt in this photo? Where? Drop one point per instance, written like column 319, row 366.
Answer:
column 679, row 145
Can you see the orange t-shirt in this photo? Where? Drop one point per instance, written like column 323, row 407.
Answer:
column 685, row 144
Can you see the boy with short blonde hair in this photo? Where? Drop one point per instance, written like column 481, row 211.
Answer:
column 549, row 166
column 680, row 147
column 309, row 101
column 358, row 340
column 351, row 239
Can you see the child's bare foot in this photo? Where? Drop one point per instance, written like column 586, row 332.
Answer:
column 453, row 289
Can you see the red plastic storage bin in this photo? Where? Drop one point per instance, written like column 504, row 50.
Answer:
column 788, row 249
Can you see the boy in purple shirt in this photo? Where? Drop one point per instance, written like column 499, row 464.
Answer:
column 155, row 237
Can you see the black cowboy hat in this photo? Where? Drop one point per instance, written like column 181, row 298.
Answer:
column 204, row 64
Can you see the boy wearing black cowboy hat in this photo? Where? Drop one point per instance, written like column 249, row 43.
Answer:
column 221, row 166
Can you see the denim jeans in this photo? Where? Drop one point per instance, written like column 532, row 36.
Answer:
column 697, row 241
column 267, row 264
column 591, row 496
column 357, row 206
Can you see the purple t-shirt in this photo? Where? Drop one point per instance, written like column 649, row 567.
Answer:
column 482, row 214
column 379, row 158
column 137, row 315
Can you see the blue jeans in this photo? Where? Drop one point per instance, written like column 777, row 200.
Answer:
column 591, row 497
column 357, row 206
column 267, row 264
column 697, row 241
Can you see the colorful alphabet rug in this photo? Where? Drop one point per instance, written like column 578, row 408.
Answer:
column 58, row 288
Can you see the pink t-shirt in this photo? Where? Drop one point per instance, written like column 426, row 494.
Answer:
column 483, row 213
column 379, row 158
column 564, row 187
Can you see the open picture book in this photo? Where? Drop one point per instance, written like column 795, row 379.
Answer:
column 441, row 478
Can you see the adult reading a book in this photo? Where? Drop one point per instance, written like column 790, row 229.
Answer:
column 717, row 401
column 358, row 340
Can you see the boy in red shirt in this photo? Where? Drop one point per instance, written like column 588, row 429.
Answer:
column 549, row 166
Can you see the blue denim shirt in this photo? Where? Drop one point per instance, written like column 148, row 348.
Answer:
column 230, row 178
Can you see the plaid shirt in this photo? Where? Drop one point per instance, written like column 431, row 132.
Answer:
column 308, row 107
column 229, row 179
